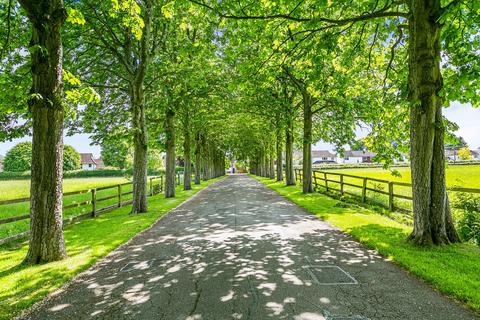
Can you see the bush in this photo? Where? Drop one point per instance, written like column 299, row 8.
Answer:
column 468, row 223
column 19, row 158
column 71, row 158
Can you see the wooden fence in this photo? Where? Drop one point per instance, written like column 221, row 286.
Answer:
column 344, row 183
column 116, row 198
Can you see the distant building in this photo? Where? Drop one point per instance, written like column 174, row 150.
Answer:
column 451, row 154
column 88, row 162
column 353, row 157
column 475, row 154
column 322, row 157
column 99, row 164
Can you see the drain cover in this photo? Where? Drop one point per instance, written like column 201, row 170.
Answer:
column 330, row 275
column 329, row 316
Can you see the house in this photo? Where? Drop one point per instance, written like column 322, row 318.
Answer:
column 322, row 157
column 99, row 164
column 475, row 154
column 451, row 154
column 352, row 157
column 87, row 161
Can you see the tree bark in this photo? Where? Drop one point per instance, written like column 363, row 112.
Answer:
column 170, row 157
column 271, row 165
column 140, row 139
column 290, row 178
column 279, row 150
column 198, row 159
column 46, row 235
column 307, row 143
column 187, row 176
column 432, row 218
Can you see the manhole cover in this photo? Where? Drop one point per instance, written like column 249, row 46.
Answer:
column 329, row 316
column 330, row 275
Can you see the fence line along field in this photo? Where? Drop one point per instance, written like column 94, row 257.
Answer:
column 467, row 176
column 16, row 189
column 458, row 177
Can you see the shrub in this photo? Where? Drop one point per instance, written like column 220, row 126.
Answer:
column 71, row 158
column 468, row 223
column 19, row 158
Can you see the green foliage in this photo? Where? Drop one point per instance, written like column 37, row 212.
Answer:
column 19, row 158
column 468, row 223
column 71, row 158
column 114, row 154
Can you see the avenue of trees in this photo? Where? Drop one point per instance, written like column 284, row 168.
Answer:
column 200, row 79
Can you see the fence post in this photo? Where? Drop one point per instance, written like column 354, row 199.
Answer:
column 151, row 187
column 341, row 184
column 119, row 189
column 364, row 190
column 326, row 181
column 314, row 180
column 94, row 203
column 296, row 177
column 390, row 196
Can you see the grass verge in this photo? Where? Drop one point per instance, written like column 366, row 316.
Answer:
column 453, row 270
column 86, row 241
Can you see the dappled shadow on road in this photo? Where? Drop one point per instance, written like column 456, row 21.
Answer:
column 238, row 251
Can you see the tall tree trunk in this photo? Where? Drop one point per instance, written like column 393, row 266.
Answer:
column 279, row 150
column 140, row 140
column 432, row 218
column 307, row 143
column 290, row 178
column 271, row 164
column 187, row 176
column 46, row 234
column 170, row 157
column 140, row 135
column 198, row 159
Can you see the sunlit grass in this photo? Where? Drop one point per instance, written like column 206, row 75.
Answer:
column 454, row 269
column 87, row 241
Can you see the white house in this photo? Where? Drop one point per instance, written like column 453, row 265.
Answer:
column 352, row 157
column 322, row 157
column 87, row 161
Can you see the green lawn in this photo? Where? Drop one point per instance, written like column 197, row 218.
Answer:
column 459, row 176
column 14, row 189
column 21, row 286
column 454, row 269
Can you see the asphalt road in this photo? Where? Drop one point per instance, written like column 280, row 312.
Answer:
column 238, row 250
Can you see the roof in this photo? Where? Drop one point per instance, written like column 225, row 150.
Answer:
column 322, row 154
column 359, row 153
column 87, row 158
column 100, row 164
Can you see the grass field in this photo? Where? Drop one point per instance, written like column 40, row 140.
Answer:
column 88, row 241
column 14, row 189
column 460, row 176
column 454, row 269
column 457, row 176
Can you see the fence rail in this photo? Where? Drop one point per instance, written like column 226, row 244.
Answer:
column 155, row 186
column 325, row 180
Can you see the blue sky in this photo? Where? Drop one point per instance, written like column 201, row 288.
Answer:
column 465, row 116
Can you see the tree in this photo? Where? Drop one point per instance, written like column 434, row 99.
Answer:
column 71, row 158
column 464, row 154
column 114, row 154
column 19, row 158
column 45, row 103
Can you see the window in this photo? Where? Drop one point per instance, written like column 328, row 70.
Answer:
column 346, row 158
column 89, row 165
